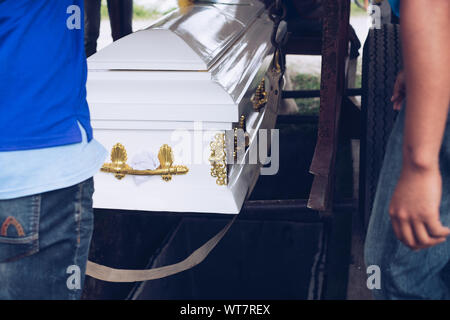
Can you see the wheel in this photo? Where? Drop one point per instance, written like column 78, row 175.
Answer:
column 381, row 64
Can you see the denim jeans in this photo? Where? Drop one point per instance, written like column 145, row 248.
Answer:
column 407, row 274
column 44, row 243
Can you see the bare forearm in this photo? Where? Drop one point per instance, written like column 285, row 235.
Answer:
column 425, row 29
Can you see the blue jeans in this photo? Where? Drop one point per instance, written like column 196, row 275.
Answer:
column 407, row 274
column 44, row 243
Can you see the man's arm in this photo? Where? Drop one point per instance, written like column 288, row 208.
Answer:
column 414, row 208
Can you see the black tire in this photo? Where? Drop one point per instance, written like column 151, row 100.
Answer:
column 381, row 64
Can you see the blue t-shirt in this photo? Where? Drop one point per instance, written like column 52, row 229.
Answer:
column 42, row 74
column 395, row 5
column 45, row 133
column 29, row 172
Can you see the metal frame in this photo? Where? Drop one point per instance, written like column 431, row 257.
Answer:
column 334, row 107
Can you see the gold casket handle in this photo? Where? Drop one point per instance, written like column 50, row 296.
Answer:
column 120, row 168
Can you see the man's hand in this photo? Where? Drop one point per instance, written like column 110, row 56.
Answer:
column 399, row 91
column 414, row 208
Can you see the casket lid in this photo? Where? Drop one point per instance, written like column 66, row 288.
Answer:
column 191, row 38
column 218, row 95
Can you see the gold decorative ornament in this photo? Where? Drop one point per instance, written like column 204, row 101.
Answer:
column 218, row 159
column 185, row 3
column 242, row 122
column 246, row 136
column 277, row 61
column 120, row 168
column 259, row 99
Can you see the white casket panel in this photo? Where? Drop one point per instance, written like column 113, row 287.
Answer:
column 144, row 92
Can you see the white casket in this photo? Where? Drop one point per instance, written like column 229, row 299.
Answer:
column 162, row 99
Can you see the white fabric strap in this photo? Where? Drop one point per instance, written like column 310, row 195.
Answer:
column 122, row 275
